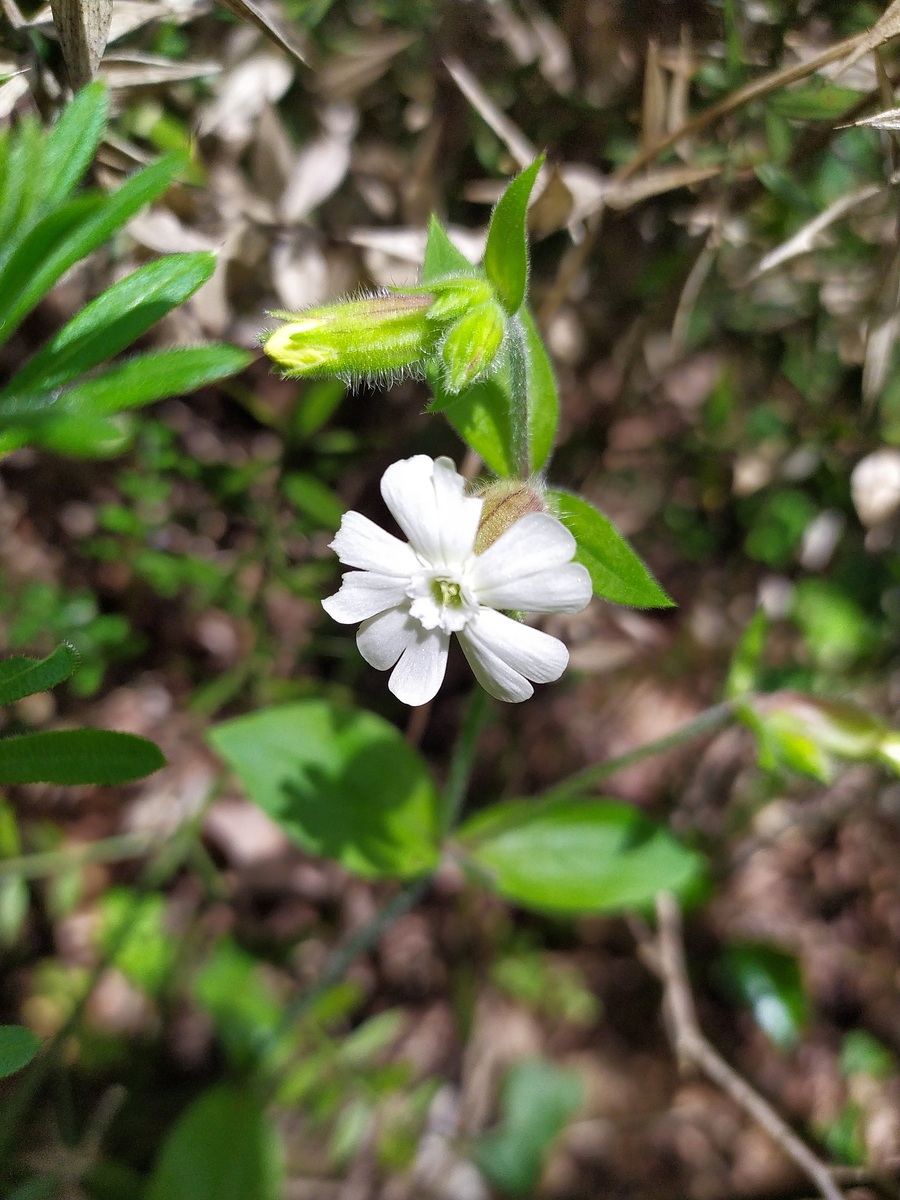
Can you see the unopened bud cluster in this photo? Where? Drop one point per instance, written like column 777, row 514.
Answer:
column 457, row 323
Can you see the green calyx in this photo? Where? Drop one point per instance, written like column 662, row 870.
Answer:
column 367, row 338
column 505, row 502
column 471, row 345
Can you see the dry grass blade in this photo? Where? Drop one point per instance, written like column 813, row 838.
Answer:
column 882, row 333
column 653, row 124
column 623, row 193
column 82, row 27
column 753, row 91
column 805, row 238
column 889, row 119
column 512, row 137
column 267, row 17
column 886, row 27
column 149, row 70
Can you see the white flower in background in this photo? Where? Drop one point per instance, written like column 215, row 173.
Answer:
column 410, row 596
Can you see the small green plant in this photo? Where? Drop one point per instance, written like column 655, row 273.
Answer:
column 70, row 397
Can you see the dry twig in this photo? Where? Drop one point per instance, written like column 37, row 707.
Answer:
column 666, row 958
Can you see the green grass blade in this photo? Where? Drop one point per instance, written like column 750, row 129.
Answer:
column 19, row 195
column 113, row 321
column 154, row 376
column 72, row 143
column 17, row 301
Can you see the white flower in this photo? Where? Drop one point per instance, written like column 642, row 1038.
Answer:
column 410, row 596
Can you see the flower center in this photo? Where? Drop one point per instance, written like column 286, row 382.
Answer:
column 440, row 601
column 447, row 593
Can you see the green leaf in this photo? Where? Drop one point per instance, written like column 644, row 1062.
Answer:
column 341, row 783
column 18, row 1046
column 38, row 266
column 223, row 1147
column 313, row 499
column 85, row 435
column 814, row 102
column 20, row 185
column 20, row 677
column 863, row 1054
column 154, row 376
column 542, row 398
column 570, row 856
column 743, row 672
column 38, row 247
column 481, row 417
column 70, row 756
column 231, row 986
column 506, row 252
column 616, row 571
column 134, row 937
column 768, row 980
column 537, row 1102
column 112, row 321
column 441, row 257
column 72, row 143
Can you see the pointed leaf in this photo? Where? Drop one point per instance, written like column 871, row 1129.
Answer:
column 18, row 1046
column 223, row 1147
column 71, row 756
column 85, row 435
column 540, row 390
column 19, row 195
column 72, row 142
column 22, row 287
column 39, row 246
column 570, row 856
column 481, row 417
column 616, row 571
column 154, row 376
column 441, row 257
column 506, row 253
column 340, row 783
column 20, row 677
column 115, row 319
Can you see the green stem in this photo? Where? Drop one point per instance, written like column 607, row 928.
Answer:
column 477, row 715
column 69, row 858
column 518, row 371
column 590, row 777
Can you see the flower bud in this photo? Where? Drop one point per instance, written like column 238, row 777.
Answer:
column 808, row 733
column 470, row 346
column 504, row 503
column 372, row 336
column 458, row 295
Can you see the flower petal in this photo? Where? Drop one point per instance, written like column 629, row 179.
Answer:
column 530, row 567
column 420, row 671
column 565, row 589
column 428, row 500
column 383, row 638
column 361, row 543
column 504, row 655
column 362, row 594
